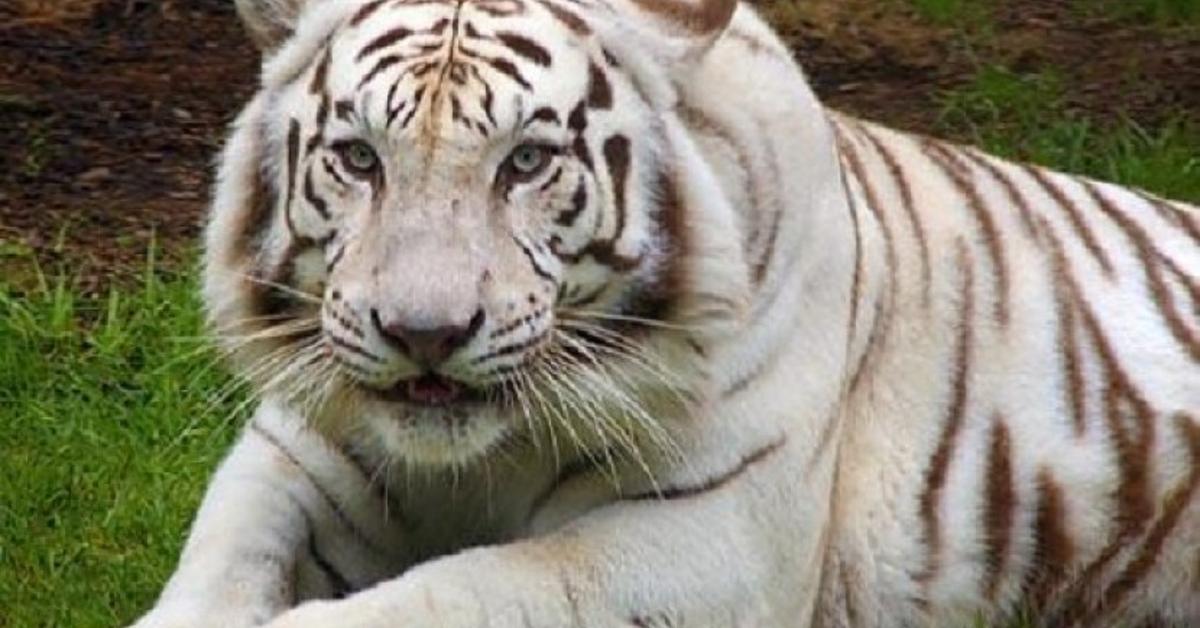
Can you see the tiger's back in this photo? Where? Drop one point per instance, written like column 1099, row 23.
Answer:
column 1020, row 426
column 1023, row 427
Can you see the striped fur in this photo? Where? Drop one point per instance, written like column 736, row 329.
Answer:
column 737, row 360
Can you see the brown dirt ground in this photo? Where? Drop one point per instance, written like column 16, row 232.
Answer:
column 111, row 110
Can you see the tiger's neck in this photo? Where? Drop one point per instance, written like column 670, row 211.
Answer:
column 811, row 265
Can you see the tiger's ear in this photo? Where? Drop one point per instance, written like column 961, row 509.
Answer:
column 690, row 26
column 270, row 22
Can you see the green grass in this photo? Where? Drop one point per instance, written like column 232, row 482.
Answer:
column 1167, row 13
column 1160, row 12
column 1025, row 117
column 109, row 437
column 952, row 12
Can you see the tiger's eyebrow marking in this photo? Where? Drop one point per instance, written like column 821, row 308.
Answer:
column 543, row 114
column 344, row 110
column 380, row 66
column 525, row 47
column 366, row 11
column 568, row 18
column 390, row 38
column 509, row 69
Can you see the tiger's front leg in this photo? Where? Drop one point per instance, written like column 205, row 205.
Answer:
column 499, row 587
column 696, row 557
column 267, row 535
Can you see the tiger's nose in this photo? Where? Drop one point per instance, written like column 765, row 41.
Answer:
column 428, row 346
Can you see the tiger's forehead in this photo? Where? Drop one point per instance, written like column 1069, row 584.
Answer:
column 481, row 65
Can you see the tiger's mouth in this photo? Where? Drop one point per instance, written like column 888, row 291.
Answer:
column 432, row 390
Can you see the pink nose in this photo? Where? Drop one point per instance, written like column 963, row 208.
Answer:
column 428, row 346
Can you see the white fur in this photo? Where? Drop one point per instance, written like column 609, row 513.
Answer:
column 822, row 525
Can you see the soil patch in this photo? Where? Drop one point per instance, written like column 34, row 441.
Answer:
column 111, row 113
column 881, row 60
column 110, row 125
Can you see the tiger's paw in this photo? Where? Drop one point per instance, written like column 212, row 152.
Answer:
column 161, row 620
column 458, row 594
column 187, row 617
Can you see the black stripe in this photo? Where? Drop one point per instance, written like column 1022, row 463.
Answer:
column 333, row 504
column 488, row 100
column 416, row 106
column 345, row 320
column 544, row 114
column 336, row 259
column 332, row 171
column 589, row 298
column 506, row 67
column 713, row 483
column 380, row 66
column 525, row 47
column 517, row 324
column 293, row 152
column 395, row 113
column 1074, row 215
column 366, row 11
column 321, row 75
column 322, row 119
column 600, row 95
column 617, row 156
column 353, row 348
column 569, row 19
column 341, row 586
column 516, row 347
column 344, row 110
column 358, row 370
column 385, row 40
column 537, row 268
column 553, row 180
column 578, row 204
column 310, row 195
column 577, row 121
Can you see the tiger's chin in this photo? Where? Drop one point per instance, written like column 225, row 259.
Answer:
column 452, row 434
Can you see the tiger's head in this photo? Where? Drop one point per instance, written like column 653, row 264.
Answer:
column 446, row 222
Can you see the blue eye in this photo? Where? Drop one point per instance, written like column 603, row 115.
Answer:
column 529, row 159
column 358, row 157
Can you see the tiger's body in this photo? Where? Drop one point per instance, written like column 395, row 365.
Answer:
column 844, row 376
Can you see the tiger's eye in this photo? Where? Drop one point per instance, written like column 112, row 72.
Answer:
column 359, row 157
column 528, row 159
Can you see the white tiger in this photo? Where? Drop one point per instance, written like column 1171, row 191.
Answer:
column 586, row 313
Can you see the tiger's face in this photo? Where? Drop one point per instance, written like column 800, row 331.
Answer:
column 465, row 205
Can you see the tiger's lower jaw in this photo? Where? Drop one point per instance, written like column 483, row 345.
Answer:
column 436, row 436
